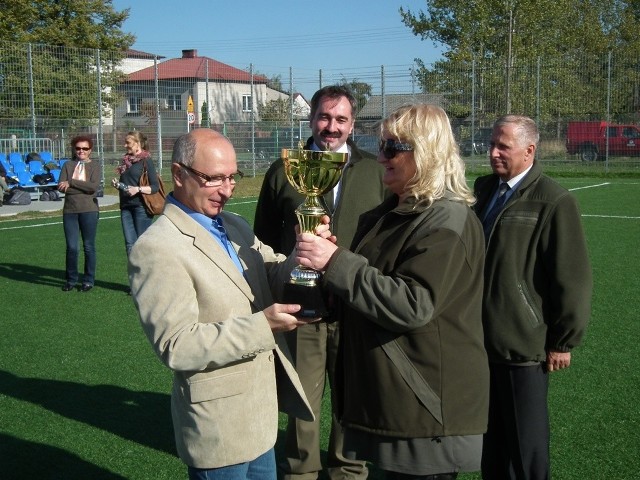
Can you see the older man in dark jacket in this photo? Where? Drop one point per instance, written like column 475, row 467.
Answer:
column 537, row 297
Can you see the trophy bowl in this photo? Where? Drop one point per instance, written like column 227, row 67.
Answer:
column 312, row 174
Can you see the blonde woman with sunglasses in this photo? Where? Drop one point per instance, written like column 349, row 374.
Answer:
column 415, row 384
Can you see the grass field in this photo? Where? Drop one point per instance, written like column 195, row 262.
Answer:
column 82, row 395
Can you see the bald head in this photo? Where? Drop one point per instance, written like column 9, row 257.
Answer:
column 207, row 152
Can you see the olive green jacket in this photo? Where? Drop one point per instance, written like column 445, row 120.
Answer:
column 538, row 279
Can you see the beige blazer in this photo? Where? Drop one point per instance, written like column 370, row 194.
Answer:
column 204, row 321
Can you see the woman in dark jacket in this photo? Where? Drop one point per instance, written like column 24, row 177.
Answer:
column 133, row 215
column 79, row 181
column 414, row 385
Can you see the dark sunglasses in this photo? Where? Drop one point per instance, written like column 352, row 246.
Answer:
column 390, row 147
column 214, row 180
column 84, row 149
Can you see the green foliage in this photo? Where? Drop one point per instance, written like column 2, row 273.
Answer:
column 204, row 115
column 360, row 90
column 72, row 23
column 278, row 110
column 505, row 47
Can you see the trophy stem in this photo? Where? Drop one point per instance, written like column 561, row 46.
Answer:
column 309, row 214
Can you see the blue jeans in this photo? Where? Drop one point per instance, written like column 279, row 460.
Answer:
column 262, row 468
column 135, row 221
column 87, row 225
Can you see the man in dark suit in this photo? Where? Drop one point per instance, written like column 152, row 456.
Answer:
column 314, row 347
column 537, row 297
column 202, row 283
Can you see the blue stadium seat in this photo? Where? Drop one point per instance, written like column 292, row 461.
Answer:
column 56, row 175
column 15, row 157
column 25, row 180
column 46, row 156
column 19, row 167
column 36, row 167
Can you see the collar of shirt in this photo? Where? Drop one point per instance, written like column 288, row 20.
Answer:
column 200, row 218
column 513, row 183
column 343, row 149
column 207, row 224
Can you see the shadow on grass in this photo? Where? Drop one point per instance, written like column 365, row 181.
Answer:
column 33, row 274
column 22, row 459
column 142, row 417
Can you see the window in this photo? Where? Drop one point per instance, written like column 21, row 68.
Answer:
column 174, row 102
column 134, row 104
column 247, row 103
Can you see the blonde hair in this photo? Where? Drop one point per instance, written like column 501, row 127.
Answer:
column 439, row 167
column 140, row 138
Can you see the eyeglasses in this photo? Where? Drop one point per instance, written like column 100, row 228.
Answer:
column 214, row 180
column 84, row 149
column 390, row 147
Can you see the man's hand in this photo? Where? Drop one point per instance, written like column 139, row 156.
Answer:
column 558, row 360
column 281, row 317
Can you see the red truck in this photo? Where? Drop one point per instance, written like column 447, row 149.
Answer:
column 590, row 139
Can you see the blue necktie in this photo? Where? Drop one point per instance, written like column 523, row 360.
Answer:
column 490, row 218
column 220, row 233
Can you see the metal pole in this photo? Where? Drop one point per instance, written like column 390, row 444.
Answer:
column 159, row 123
column 100, row 117
column 31, row 93
column 383, row 107
column 291, row 145
column 538, row 82
column 253, row 121
column 207, row 94
column 606, row 157
column 508, row 79
column 473, row 105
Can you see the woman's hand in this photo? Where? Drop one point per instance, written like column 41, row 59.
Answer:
column 63, row 186
column 132, row 190
column 314, row 251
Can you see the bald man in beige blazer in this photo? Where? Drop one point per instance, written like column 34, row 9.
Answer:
column 205, row 303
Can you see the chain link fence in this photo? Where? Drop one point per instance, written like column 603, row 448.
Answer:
column 48, row 94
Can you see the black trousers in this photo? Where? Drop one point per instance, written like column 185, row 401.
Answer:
column 516, row 445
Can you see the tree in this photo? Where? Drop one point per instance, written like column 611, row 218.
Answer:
column 502, row 42
column 205, row 121
column 279, row 110
column 360, row 90
column 61, row 46
column 70, row 23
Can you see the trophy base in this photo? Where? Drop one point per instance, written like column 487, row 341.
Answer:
column 309, row 297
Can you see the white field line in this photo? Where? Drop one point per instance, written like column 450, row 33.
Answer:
column 48, row 224
column 589, row 186
column 101, row 218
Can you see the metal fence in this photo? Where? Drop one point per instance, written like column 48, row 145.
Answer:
column 54, row 93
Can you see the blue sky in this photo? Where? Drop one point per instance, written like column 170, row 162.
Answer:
column 274, row 35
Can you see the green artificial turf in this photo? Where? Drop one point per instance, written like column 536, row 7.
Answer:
column 83, row 396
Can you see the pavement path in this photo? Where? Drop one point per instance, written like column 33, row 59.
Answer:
column 38, row 206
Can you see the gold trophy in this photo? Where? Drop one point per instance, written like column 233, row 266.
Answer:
column 311, row 173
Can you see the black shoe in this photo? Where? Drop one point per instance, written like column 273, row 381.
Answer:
column 86, row 287
column 67, row 286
